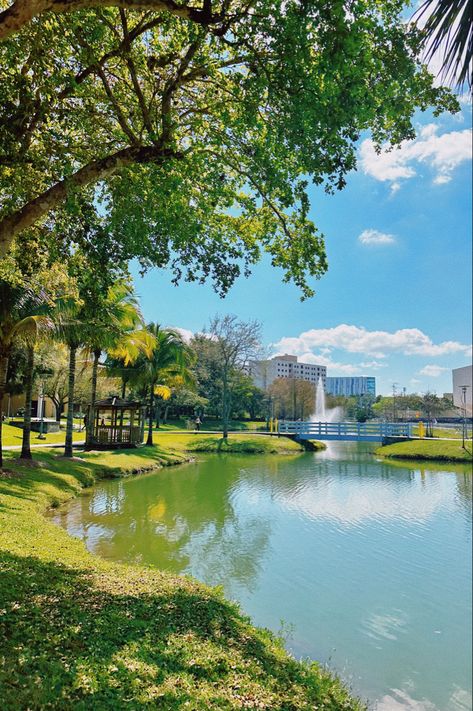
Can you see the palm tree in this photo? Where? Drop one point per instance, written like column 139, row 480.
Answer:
column 117, row 329
column 448, row 31
column 24, row 313
column 120, row 367
column 171, row 356
column 74, row 335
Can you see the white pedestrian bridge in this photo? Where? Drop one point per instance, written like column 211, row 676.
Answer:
column 346, row 431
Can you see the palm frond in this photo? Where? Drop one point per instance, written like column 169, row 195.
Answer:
column 448, row 32
column 30, row 328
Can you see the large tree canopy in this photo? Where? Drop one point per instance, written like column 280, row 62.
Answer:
column 190, row 131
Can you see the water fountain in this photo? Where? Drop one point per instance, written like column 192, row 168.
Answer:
column 322, row 413
column 319, row 415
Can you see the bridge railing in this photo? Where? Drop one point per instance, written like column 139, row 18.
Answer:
column 346, row 429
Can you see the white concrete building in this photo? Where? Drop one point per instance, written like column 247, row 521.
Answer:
column 265, row 372
column 463, row 377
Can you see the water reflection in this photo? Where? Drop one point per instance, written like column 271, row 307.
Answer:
column 368, row 560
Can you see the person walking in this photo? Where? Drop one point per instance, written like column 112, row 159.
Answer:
column 197, row 423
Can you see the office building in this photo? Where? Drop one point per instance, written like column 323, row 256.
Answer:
column 349, row 387
column 265, row 372
column 462, row 389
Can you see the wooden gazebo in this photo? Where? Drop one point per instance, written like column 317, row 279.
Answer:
column 115, row 424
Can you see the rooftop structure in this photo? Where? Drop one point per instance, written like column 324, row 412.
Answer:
column 265, row 372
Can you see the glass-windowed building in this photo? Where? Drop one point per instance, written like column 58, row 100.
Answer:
column 351, row 386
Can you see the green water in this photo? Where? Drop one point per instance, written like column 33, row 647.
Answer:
column 362, row 564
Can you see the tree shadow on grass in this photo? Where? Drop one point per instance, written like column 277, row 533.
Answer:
column 69, row 639
column 24, row 480
column 23, row 485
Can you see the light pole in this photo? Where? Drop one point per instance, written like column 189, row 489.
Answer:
column 464, row 388
column 394, row 401
column 41, row 414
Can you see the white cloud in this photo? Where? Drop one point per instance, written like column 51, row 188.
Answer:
column 185, row 333
column 356, row 339
column 433, row 371
column 374, row 237
column 441, row 179
column 373, row 364
column 442, row 153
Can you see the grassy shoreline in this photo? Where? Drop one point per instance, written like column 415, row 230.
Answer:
column 428, row 449
column 244, row 443
column 77, row 631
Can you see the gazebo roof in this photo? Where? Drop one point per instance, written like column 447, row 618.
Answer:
column 116, row 403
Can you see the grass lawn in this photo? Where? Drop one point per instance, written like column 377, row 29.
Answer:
column 80, row 632
column 428, row 449
column 12, row 436
column 443, row 432
column 237, row 443
column 213, row 425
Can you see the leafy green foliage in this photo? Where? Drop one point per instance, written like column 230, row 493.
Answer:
column 170, row 357
column 180, row 144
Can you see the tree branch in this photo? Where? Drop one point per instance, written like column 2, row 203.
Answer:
column 134, row 78
column 21, row 12
column 22, row 219
column 118, row 112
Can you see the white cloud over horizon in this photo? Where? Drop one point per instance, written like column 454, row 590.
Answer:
column 433, row 371
column 373, row 237
column 377, row 344
column 442, row 153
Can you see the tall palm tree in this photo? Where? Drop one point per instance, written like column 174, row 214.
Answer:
column 119, row 314
column 74, row 336
column 171, row 356
column 448, row 32
column 117, row 329
column 24, row 313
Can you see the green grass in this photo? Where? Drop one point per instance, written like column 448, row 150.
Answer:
column 12, row 436
column 244, row 445
column 237, row 443
column 443, row 432
column 79, row 632
column 213, row 425
column 428, row 449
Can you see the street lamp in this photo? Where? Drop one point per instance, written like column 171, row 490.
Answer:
column 394, row 401
column 464, row 388
column 43, row 373
column 41, row 413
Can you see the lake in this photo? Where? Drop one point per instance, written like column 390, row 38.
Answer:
column 361, row 564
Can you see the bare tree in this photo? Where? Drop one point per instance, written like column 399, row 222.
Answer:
column 236, row 343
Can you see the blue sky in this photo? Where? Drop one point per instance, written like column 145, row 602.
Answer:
column 396, row 301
